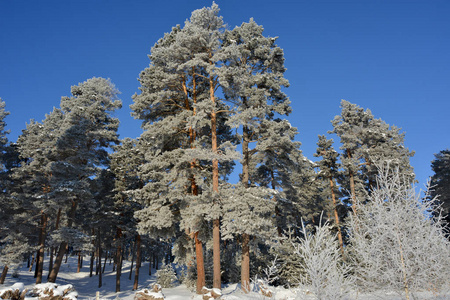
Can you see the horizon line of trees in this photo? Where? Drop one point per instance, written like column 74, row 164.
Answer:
column 211, row 100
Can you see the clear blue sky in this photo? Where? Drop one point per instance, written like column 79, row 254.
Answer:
column 392, row 57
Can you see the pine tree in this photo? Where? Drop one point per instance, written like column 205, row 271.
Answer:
column 36, row 149
column 125, row 162
column 252, row 77
column 13, row 243
column 88, row 130
column 328, row 171
column 183, row 132
column 440, row 181
column 367, row 141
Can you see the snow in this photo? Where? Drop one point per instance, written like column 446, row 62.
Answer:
column 86, row 287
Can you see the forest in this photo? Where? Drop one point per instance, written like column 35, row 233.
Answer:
column 213, row 104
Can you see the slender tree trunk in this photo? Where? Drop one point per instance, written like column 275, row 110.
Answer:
column 67, row 253
column 132, row 261
column 114, row 261
column 215, row 182
column 50, row 263
column 32, row 262
column 200, row 264
column 53, row 249
column 118, row 268
column 194, row 186
column 4, row 272
column 118, row 260
column 245, row 258
column 352, row 186
column 138, row 262
column 104, row 264
column 63, row 247
column 79, row 262
column 38, row 258
column 245, row 268
column 40, row 264
column 97, row 260
column 91, row 265
column 58, row 261
column 150, row 267
column 100, row 279
column 336, row 217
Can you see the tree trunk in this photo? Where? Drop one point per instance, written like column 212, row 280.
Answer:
column 118, row 268
column 138, row 262
column 155, row 261
column 216, row 255
column 200, row 264
column 97, row 259
column 58, row 261
column 336, row 217
column 3, row 277
column 106, row 259
column 53, row 249
column 118, row 259
column 79, row 262
column 352, row 185
column 132, row 261
column 245, row 259
column 50, row 263
column 215, row 182
column 63, row 247
column 32, row 262
column 38, row 256
column 245, row 268
column 40, row 264
column 100, row 279
column 91, row 265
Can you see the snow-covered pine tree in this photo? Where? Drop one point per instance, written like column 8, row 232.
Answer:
column 183, row 132
column 87, row 132
column 329, row 171
column 348, row 126
column 366, row 141
column 396, row 242
column 36, row 147
column 125, row 162
column 13, row 244
column 252, row 76
column 167, row 99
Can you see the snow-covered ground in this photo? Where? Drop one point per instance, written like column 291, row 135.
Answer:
column 87, row 287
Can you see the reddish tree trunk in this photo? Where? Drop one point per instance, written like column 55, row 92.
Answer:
column 245, row 268
column 3, row 277
column 138, row 262
column 336, row 217
column 200, row 264
column 215, row 182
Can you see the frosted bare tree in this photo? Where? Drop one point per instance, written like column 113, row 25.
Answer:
column 398, row 240
column 324, row 274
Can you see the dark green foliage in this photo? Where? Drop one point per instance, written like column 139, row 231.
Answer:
column 440, row 181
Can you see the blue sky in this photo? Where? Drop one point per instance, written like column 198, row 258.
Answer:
column 392, row 57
